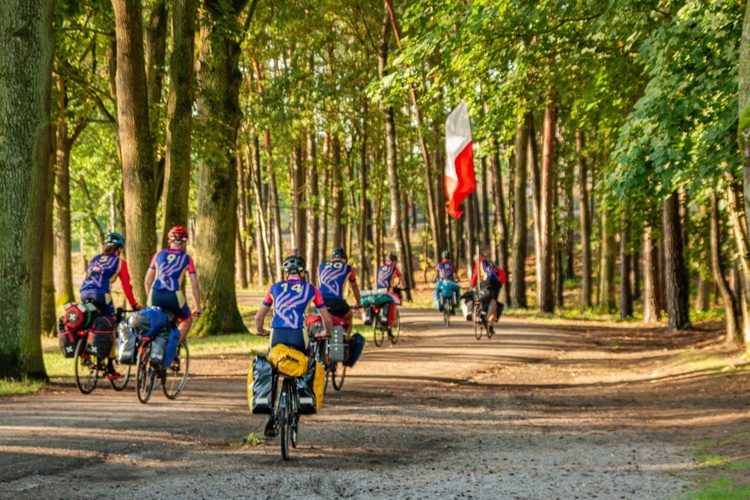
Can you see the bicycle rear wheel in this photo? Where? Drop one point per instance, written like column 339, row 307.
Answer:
column 282, row 418
column 377, row 333
column 122, row 382
column 338, row 373
column 145, row 375
column 477, row 321
column 447, row 312
column 395, row 328
column 87, row 371
column 176, row 375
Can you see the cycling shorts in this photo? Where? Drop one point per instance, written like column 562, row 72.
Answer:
column 337, row 307
column 290, row 337
column 102, row 301
column 494, row 288
column 173, row 302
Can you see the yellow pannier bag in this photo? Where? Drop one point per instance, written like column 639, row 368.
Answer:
column 311, row 389
column 288, row 361
column 319, row 385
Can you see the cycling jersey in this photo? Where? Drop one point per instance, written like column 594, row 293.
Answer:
column 488, row 271
column 171, row 265
column 332, row 276
column 290, row 299
column 385, row 275
column 101, row 272
column 446, row 270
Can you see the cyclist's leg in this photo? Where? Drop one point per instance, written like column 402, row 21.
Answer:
column 492, row 312
column 340, row 309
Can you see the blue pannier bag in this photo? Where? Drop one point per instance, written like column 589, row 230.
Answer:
column 164, row 347
column 356, row 344
column 151, row 320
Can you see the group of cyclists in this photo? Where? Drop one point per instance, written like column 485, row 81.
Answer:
column 163, row 283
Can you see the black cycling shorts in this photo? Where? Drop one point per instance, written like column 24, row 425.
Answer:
column 337, row 307
column 494, row 288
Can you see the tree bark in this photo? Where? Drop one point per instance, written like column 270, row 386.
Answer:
column 744, row 109
column 500, row 220
column 25, row 76
column 337, row 194
column 742, row 241
column 364, row 216
column 179, row 118
column 607, row 265
column 325, row 198
column 583, row 208
column 626, row 292
column 485, row 205
column 518, row 272
column 678, row 293
column 731, row 311
column 299, row 233
column 49, row 316
column 313, row 221
column 135, row 141
column 242, row 229
column 273, row 200
column 156, row 50
column 650, row 277
column 547, row 185
column 219, row 78
column 261, row 210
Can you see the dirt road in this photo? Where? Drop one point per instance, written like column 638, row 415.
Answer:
column 536, row 412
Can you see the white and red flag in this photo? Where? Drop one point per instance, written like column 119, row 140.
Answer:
column 459, row 167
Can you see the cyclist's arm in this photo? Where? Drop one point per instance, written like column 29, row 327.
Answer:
column 260, row 317
column 355, row 286
column 475, row 274
column 196, row 292
column 323, row 310
column 124, row 276
column 149, row 279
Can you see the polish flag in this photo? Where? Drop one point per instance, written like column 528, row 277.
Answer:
column 459, row 167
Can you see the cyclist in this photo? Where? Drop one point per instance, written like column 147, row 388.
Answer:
column 165, row 277
column 96, row 287
column 446, row 274
column 493, row 278
column 388, row 275
column 290, row 298
column 331, row 277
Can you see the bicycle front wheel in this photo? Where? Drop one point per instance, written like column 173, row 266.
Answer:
column 282, row 419
column 122, row 382
column 145, row 375
column 395, row 330
column 477, row 321
column 447, row 312
column 87, row 372
column 377, row 333
column 176, row 375
column 338, row 373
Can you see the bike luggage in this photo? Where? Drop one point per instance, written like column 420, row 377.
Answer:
column 126, row 352
column 311, row 388
column 164, row 347
column 78, row 316
column 336, row 345
column 288, row 361
column 259, row 385
column 100, row 336
column 356, row 345
column 157, row 320
column 368, row 315
column 383, row 315
column 67, row 339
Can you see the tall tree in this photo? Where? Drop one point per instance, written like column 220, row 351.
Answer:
column 518, row 273
column 583, row 210
column 547, row 187
column 25, row 75
column 678, row 293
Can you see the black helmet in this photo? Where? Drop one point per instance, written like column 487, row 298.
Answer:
column 391, row 257
column 294, row 264
column 339, row 253
column 445, row 255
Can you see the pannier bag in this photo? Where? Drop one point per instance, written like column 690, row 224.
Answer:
column 336, row 345
column 259, row 384
column 100, row 336
column 467, row 304
column 383, row 315
column 78, row 316
column 356, row 345
column 67, row 339
column 126, row 353
column 288, row 361
column 164, row 347
column 500, row 309
column 368, row 315
column 310, row 388
column 152, row 316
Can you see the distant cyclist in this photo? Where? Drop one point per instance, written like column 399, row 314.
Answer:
column 102, row 271
column 165, row 278
column 446, row 275
column 289, row 299
column 332, row 276
column 492, row 278
column 387, row 272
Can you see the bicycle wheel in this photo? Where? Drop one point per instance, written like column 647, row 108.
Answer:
column 377, row 333
column 145, row 375
column 397, row 327
column 282, row 418
column 122, row 382
column 175, row 377
column 477, row 321
column 338, row 373
column 447, row 312
column 486, row 325
column 87, row 371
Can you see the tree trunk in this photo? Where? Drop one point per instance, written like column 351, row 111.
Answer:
column 583, row 208
column 273, row 200
column 220, row 79
column 313, row 221
column 242, row 229
column 731, row 311
column 63, row 230
column 678, row 293
column 742, row 241
column 535, row 182
column 485, row 205
column 299, row 232
column 501, row 223
column 325, row 198
column 49, row 316
column 650, row 277
column 607, row 265
column 626, row 295
column 547, row 184
column 179, row 118
column 442, row 226
column 135, row 142
column 25, row 76
column 156, row 50
column 261, row 210
column 636, row 269
column 337, row 194
column 518, row 272
column 364, row 216
column 744, row 109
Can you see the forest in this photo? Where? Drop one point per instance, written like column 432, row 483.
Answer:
column 612, row 148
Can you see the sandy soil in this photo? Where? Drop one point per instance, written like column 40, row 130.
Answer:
column 538, row 411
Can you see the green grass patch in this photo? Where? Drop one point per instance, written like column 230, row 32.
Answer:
column 11, row 387
column 722, row 488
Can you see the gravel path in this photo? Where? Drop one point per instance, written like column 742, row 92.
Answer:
column 534, row 412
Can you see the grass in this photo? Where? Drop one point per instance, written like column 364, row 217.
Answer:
column 722, row 471
column 11, row 387
column 723, row 488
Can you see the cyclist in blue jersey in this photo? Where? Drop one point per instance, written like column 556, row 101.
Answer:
column 446, row 276
column 289, row 299
column 490, row 278
column 387, row 272
column 332, row 276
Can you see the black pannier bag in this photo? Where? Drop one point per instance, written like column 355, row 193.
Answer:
column 67, row 339
column 100, row 336
column 368, row 315
column 354, row 349
column 126, row 353
column 383, row 316
column 259, row 384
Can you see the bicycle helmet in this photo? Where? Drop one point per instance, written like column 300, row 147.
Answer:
column 294, row 264
column 391, row 257
column 339, row 253
column 114, row 239
column 445, row 255
column 177, row 234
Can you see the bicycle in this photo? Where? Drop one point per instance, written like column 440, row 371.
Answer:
column 286, row 413
column 88, row 367
column 146, row 374
column 320, row 342
column 480, row 320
